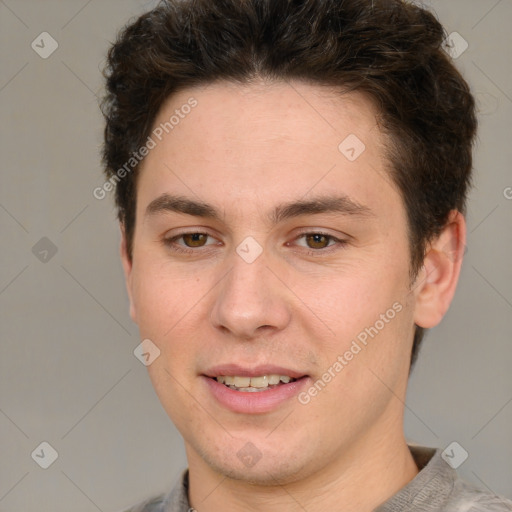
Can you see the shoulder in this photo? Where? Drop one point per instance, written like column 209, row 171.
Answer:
column 175, row 501
column 155, row 504
column 466, row 497
column 438, row 488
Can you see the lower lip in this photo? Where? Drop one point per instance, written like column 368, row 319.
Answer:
column 256, row 402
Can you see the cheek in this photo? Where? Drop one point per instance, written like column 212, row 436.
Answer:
column 171, row 310
column 166, row 315
column 346, row 302
column 370, row 314
column 369, row 367
column 150, row 302
column 158, row 297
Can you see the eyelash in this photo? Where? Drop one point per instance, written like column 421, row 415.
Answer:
column 170, row 243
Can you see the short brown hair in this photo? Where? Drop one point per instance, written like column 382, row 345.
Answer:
column 391, row 50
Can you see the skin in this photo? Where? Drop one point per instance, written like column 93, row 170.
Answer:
column 244, row 150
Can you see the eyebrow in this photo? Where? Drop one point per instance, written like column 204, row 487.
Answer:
column 340, row 204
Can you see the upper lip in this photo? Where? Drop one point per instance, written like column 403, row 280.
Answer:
column 255, row 371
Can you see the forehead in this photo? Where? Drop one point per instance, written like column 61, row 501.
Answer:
column 254, row 115
column 265, row 142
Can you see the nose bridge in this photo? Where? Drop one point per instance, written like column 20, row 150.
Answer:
column 250, row 297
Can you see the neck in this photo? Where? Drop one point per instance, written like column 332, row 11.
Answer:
column 362, row 478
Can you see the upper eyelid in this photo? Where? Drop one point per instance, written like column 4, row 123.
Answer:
column 302, row 234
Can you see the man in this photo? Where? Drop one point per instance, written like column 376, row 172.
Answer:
column 291, row 181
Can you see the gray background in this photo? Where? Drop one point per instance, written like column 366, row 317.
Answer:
column 68, row 375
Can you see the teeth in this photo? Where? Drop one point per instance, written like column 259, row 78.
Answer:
column 259, row 382
column 273, row 379
column 253, row 383
column 242, row 382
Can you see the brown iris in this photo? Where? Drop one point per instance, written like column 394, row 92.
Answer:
column 317, row 241
column 195, row 239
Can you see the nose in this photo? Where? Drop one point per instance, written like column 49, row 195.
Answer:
column 251, row 301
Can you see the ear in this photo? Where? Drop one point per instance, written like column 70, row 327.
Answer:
column 437, row 279
column 127, row 268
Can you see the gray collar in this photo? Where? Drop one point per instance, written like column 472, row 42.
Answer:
column 429, row 489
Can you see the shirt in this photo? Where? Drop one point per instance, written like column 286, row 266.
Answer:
column 436, row 488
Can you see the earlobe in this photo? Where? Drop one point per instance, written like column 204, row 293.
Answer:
column 437, row 280
column 127, row 263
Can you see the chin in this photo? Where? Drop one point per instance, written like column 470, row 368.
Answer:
column 267, row 471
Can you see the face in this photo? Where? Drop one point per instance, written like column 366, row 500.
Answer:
column 265, row 252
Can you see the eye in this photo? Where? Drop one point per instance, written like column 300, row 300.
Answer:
column 194, row 239
column 319, row 242
column 190, row 241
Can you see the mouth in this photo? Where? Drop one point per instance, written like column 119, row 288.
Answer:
column 253, row 390
column 254, row 384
